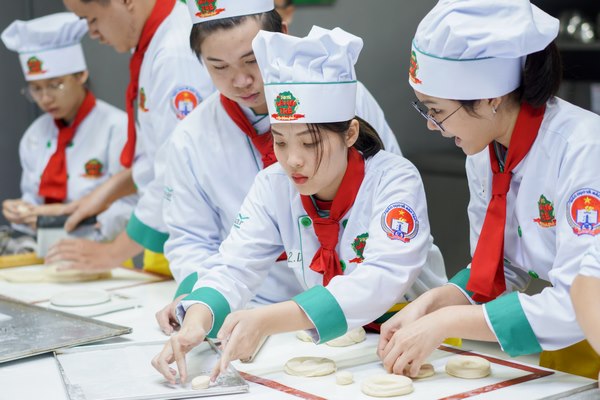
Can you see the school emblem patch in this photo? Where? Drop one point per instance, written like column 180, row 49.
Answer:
column 207, row 8
column 413, row 69
column 93, row 169
column 286, row 105
column 400, row 222
column 546, row 209
column 184, row 100
column 582, row 212
column 35, row 66
column 142, row 100
column 358, row 245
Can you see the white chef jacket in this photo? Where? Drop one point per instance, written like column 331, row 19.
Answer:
column 590, row 265
column 172, row 82
column 549, row 227
column 92, row 157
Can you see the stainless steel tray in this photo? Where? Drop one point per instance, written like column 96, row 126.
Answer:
column 27, row 330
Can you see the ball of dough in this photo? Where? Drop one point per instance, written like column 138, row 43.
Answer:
column 304, row 336
column 425, row 371
column 468, row 367
column 353, row 337
column 201, row 382
column 22, row 209
column 310, row 366
column 80, row 298
column 344, row 378
column 386, row 385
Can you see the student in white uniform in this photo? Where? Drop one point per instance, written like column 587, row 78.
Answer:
column 215, row 154
column 70, row 149
column 166, row 83
column 350, row 217
column 532, row 168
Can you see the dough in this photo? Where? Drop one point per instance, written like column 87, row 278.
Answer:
column 426, row 371
column 353, row 337
column 344, row 378
column 309, row 366
column 80, row 298
column 201, row 382
column 50, row 273
column 468, row 367
column 304, row 336
column 387, row 385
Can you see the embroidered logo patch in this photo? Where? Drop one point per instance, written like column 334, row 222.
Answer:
column 208, row 8
column 286, row 105
column 142, row 100
column 184, row 100
column 400, row 222
column 93, row 169
column 239, row 221
column 358, row 245
column 546, row 209
column 582, row 212
column 414, row 67
column 35, row 66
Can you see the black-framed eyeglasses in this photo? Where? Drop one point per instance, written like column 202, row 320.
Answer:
column 429, row 117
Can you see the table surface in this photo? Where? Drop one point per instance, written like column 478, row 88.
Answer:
column 38, row 377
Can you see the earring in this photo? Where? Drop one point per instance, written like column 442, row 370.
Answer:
column 494, row 111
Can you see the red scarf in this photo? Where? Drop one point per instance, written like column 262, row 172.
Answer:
column 263, row 143
column 161, row 10
column 326, row 260
column 53, row 184
column 488, row 260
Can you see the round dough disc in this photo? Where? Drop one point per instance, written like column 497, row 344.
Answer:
column 80, row 298
column 201, row 382
column 468, row 367
column 344, row 378
column 426, row 371
column 302, row 335
column 387, row 385
column 53, row 274
column 353, row 337
column 310, row 366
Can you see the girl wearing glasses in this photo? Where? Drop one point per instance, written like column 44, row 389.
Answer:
column 532, row 168
column 74, row 146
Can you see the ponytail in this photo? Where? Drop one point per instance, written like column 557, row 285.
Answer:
column 542, row 76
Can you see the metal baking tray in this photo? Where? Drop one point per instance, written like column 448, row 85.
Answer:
column 27, row 330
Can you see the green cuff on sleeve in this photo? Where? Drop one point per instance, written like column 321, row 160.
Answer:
column 150, row 238
column 461, row 279
column 216, row 302
column 511, row 325
column 324, row 311
column 187, row 285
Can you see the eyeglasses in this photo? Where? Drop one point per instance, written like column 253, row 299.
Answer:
column 33, row 93
column 429, row 117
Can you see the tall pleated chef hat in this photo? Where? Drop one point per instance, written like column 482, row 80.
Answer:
column 208, row 10
column 476, row 49
column 48, row 46
column 310, row 79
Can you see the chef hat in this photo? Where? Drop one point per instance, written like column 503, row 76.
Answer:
column 310, row 79
column 48, row 46
column 208, row 10
column 476, row 49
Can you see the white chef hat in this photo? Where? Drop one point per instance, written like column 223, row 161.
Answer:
column 476, row 49
column 208, row 10
column 310, row 79
column 48, row 46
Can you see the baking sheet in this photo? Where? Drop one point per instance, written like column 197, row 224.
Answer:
column 27, row 330
column 123, row 372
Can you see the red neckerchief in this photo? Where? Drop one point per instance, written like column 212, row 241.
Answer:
column 263, row 142
column 326, row 260
column 487, row 279
column 53, row 184
column 161, row 10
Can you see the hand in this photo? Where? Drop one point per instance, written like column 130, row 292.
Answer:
column 16, row 210
column 89, row 205
column 196, row 323
column 83, row 254
column 404, row 317
column 167, row 318
column 240, row 335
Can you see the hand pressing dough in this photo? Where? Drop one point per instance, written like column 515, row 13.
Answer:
column 468, row 367
column 310, row 366
column 353, row 337
column 201, row 382
column 425, row 371
column 344, row 378
column 304, row 336
column 50, row 273
column 387, row 385
column 80, row 298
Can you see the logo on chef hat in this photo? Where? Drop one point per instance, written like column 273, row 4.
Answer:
column 93, row 169
column 207, row 8
column 414, row 67
column 142, row 100
column 582, row 212
column 286, row 105
column 400, row 222
column 184, row 100
column 35, row 66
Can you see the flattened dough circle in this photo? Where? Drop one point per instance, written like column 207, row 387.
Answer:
column 310, row 366
column 80, row 298
column 468, row 367
column 201, row 382
column 353, row 337
column 425, row 371
column 387, row 385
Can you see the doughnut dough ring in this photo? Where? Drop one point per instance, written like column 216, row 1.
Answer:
column 310, row 366
column 468, row 367
column 387, row 385
column 352, row 337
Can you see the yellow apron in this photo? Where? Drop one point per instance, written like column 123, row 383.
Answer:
column 578, row 359
column 156, row 262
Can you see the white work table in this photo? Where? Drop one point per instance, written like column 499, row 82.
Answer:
column 39, row 378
